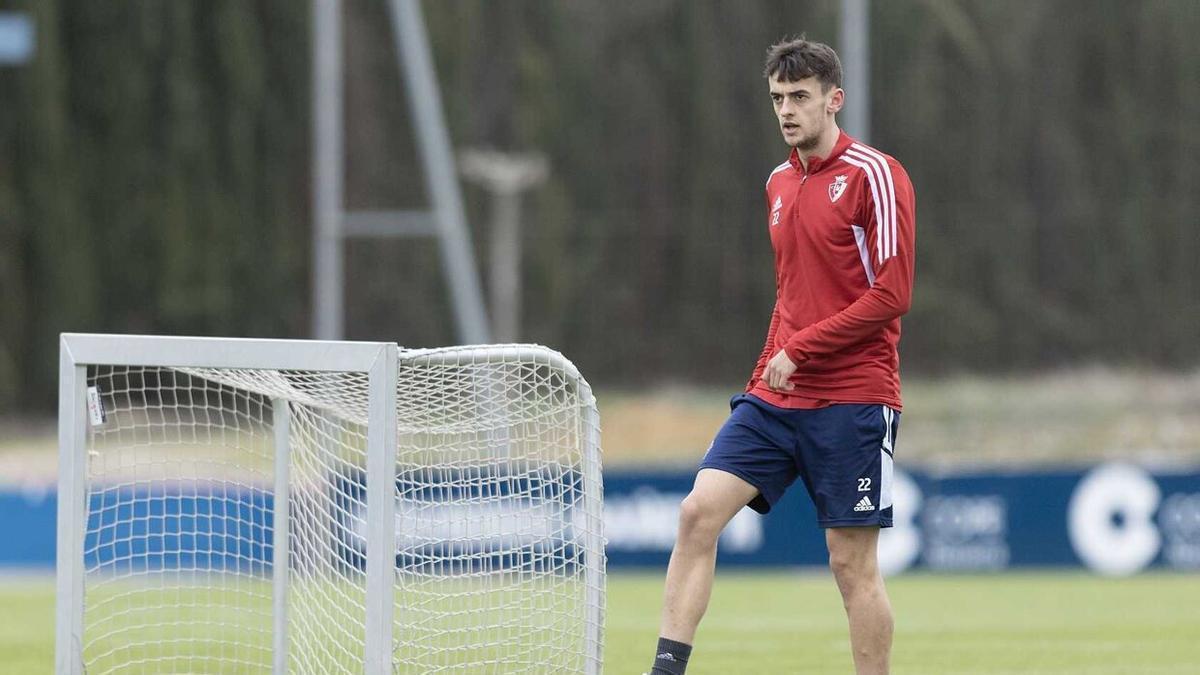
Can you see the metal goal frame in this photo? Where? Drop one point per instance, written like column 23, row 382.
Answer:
column 380, row 361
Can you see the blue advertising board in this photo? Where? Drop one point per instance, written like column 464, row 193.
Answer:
column 1114, row 519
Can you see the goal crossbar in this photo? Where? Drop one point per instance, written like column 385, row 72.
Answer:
column 206, row 352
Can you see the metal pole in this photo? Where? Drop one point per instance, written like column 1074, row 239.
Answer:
column 416, row 62
column 72, row 512
column 594, row 562
column 328, row 158
column 856, row 68
column 505, row 175
column 381, row 511
column 506, row 267
column 281, row 419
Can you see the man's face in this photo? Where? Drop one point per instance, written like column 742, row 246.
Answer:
column 803, row 109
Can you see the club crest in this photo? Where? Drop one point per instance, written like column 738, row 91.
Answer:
column 836, row 188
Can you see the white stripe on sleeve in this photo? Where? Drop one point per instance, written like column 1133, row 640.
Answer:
column 860, row 238
column 887, row 188
column 873, row 182
column 875, row 174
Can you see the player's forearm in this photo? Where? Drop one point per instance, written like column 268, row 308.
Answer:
column 862, row 319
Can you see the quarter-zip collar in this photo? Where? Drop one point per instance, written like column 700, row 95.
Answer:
column 815, row 163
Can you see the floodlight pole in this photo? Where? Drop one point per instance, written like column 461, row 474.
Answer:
column 506, row 176
column 854, row 50
column 425, row 100
column 446, row 218
column 328, row 171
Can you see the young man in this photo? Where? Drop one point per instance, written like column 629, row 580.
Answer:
column 823, row 403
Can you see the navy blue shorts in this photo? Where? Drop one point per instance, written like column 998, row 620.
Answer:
column 843, row 453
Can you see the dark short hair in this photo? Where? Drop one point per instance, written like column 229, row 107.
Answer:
column 796, row 59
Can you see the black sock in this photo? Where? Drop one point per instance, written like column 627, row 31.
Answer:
column 670, row 658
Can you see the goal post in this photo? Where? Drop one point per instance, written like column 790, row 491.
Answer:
column 241, row 505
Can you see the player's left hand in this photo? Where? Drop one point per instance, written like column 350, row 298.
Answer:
column 778, row 371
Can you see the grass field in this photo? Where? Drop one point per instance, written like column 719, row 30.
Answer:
column 1009, row 624
column 786, row 622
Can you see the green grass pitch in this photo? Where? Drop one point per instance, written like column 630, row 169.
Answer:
column 1010, row 624
column 788, row 622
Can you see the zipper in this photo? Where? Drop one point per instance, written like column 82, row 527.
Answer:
column 799, row 189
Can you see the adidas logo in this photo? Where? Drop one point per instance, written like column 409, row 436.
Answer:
column 864, row 504
column 778, row 204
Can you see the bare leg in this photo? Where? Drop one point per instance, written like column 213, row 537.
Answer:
column 852, row 557
column 715, row 498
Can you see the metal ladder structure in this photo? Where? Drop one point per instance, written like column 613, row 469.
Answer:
column 445, row 219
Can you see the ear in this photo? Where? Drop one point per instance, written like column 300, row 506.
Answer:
column 836, row 100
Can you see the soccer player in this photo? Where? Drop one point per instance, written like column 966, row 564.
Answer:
column 823, row 403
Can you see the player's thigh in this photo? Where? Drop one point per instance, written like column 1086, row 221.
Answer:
column 755, row 446
column 717, row 496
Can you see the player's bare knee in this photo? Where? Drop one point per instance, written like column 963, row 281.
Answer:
column 852, row 571
column 698, row 525
column 843, row 571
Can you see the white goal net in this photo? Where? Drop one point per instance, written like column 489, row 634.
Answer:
column 190, row 475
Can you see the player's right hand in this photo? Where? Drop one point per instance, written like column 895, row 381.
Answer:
column 778, row 372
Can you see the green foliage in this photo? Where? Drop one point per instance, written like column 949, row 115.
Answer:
column 154, row 176
column 156, row 179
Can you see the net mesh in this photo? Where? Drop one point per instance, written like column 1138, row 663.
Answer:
column 497, row 518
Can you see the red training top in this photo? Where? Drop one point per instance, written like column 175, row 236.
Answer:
column 843, row 238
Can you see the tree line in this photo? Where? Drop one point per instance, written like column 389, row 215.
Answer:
column 155, row 176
